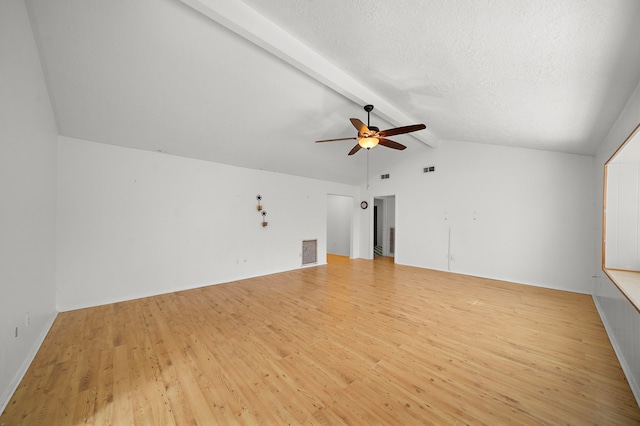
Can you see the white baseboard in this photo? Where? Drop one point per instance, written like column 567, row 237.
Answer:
column 6, row 396
column 628, row 372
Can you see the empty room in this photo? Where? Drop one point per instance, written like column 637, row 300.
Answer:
column 244, row 212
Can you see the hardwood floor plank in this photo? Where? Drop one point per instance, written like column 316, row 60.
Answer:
column 352, row 342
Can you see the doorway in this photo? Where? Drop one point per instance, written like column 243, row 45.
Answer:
column 384, row 226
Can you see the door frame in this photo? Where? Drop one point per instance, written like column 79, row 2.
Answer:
column 387, row 223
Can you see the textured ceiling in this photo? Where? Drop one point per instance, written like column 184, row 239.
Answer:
column 161, row 76
column 547, row 74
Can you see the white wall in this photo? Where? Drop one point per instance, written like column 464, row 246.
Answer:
column 505, row 213
column 620, row 318
column 134, row 223
column 27, row 199
column 623, row 216
column 339, row 217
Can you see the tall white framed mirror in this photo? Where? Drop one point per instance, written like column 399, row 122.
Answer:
column 621, row 230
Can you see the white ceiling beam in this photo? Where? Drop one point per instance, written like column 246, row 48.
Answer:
column 246, row 22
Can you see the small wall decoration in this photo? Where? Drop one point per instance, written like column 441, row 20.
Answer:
column 262, row 212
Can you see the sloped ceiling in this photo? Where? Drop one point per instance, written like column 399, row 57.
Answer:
column 181, row 77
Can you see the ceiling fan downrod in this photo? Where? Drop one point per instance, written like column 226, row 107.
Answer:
column 368, row 108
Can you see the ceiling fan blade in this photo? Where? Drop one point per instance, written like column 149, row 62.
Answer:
column 335, row 140
column 355, row 149
column 390, row 144
column 401, row 130
column 360, row 126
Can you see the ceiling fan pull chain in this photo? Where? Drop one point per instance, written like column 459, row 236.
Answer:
column 368, row 169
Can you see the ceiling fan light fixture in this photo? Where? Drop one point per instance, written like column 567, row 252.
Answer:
column 368, row 143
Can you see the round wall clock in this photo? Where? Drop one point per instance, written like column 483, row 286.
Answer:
column 364, row 204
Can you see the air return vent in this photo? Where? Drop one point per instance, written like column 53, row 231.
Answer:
column 309, row 251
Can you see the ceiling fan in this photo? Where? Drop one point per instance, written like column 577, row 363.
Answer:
column 370, row 136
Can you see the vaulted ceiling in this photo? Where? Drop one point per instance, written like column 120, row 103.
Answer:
column 255, row 83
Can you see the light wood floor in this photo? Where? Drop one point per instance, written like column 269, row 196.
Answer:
column 353, row 342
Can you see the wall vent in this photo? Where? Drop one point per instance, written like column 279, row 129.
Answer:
column 429, row 169
column 384, row 176
column 309, row 252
